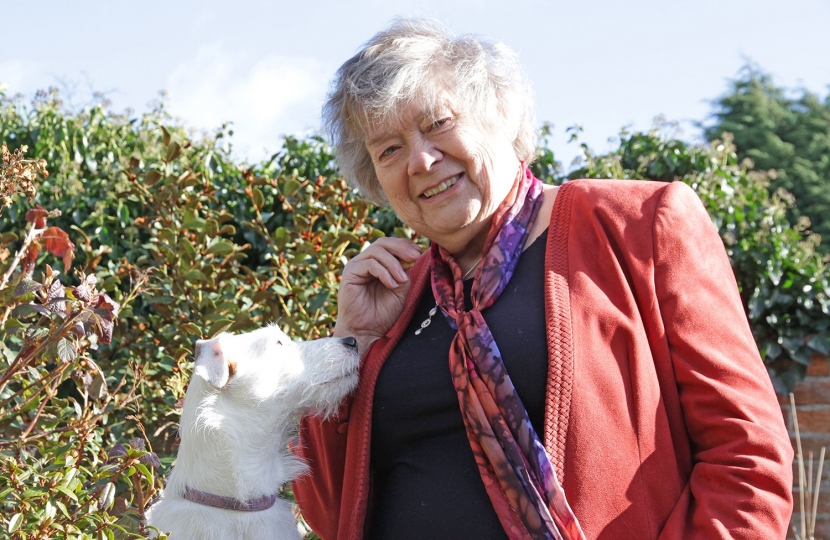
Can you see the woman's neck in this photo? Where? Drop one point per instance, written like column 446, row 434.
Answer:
column 472, row 253
column 471, row 256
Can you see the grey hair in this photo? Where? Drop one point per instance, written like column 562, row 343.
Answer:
column 417, row 59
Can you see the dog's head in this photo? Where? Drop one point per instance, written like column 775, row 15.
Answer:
column 267, row 370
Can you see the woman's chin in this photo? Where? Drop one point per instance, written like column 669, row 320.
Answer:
column 456, row 231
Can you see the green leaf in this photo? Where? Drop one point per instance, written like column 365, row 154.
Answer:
column 124, row 215
column 301, row 221
column 211, row 227
column 63, row 509
column 290, row 187
column 803, row 355
column 49, row 510
column 191, row 328
column 14, row 522
column 8, row 238
column 66, row 350
column 152, row 178
column 144, row 471
column 26, row 286
column 188, row 248
column 318, row 300
column 166, row 363
column 348, row 236
column 195, row 276
column 174, row 149
column 280, row 237
column 220, row 246
column 107, row 496
column 218, row 327
column 71, row 472
column 820, row 343
column 258, row 197
column 161, row 299
column 193, row 221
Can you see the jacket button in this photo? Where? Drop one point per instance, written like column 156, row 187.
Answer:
column 343, row 428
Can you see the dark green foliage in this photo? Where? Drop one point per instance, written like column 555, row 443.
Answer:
column 189, row 243
column 545, row 167
column 788, row 135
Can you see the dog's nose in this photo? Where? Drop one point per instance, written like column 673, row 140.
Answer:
column 349, row 342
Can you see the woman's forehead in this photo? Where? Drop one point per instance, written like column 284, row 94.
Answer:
column 407, row 115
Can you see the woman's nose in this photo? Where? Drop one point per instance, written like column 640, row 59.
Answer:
column 424, row 156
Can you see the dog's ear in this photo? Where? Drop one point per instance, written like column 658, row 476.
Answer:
column 210, row 363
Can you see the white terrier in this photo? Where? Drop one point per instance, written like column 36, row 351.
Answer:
column 244, row 399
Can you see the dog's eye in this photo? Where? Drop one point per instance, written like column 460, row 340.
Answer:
column 279, row 342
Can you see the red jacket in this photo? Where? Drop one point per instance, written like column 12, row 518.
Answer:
column 660, row 417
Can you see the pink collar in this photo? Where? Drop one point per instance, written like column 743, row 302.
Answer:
column 229, row 503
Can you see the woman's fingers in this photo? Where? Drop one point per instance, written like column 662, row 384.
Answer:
column 368, row 269
column 373, row 288
column 387, row 260
column 399, row 247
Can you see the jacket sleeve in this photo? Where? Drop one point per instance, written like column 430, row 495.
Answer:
column 321, row 445
column 741, row 479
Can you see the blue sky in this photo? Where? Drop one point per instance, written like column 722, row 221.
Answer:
column 265, row 65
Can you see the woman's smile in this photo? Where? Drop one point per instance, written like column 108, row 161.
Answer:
column 443, row 187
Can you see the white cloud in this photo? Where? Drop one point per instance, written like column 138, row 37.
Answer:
column 263, row 97
column 16, row 75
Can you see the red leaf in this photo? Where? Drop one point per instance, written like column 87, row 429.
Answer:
column 106, row 310
column 59, row 245
column 29, row 259
column 85, row 290
column 56, row 298
column 106, row 307
column 37, row 215
column 104, row 330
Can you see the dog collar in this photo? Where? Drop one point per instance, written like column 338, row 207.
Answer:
column 229, row 503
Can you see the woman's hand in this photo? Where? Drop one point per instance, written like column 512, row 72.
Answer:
column 373, row 289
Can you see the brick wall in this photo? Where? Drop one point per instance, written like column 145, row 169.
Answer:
column 812, row 401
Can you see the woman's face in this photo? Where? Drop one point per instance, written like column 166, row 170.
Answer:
column 444, row 178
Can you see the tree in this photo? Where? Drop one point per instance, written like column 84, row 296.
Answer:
column 787, row 135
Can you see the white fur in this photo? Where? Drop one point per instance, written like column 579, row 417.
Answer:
column 235, row 425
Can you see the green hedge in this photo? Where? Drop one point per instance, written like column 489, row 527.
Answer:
column 188, row 243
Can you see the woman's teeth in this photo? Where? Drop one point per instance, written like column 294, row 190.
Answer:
column 443, row 186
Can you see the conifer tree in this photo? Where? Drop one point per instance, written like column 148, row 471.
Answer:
column 785, row 131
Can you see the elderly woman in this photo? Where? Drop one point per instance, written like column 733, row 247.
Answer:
column 561, row 363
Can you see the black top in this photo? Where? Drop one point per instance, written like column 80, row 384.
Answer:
column 425, row 483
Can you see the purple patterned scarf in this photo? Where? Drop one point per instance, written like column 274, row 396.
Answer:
column 512, row 461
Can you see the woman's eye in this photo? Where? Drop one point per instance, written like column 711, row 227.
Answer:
column 439, row 123
column 389, row 151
